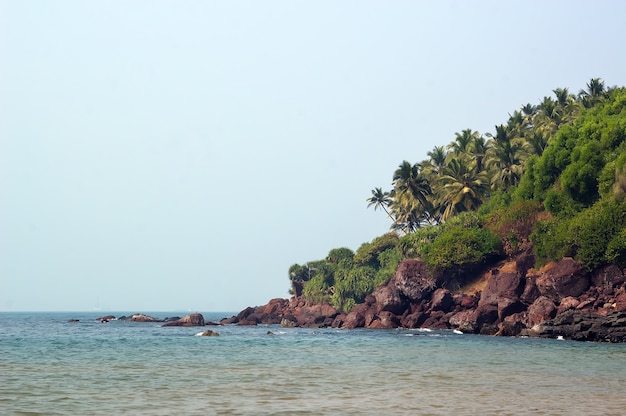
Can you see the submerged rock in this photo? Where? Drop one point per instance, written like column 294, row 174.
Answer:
column 208, row 333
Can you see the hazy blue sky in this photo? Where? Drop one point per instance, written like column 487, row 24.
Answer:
column 182, row 155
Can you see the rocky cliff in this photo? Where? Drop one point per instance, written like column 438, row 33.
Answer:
column 509, row 298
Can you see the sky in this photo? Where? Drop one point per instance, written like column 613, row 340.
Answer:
column 180, row 156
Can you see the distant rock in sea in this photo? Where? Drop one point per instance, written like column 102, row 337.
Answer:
column 193, row 319
column 139, row 317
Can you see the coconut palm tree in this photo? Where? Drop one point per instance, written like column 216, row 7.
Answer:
column 535, row 144
column 409, row 215
column 548, row 118
column 505, row 164
column 462, row 141
column 380, row 199
column 436, row 160
column 461, row 188
column 478, row 151
column 409, row 183
column 594, row 93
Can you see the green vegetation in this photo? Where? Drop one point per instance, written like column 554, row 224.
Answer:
column 552, row 178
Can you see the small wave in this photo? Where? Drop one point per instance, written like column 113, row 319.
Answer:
column 424, row 330
column 456, row 331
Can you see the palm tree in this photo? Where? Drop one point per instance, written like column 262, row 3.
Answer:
column 437, row 160
column 462, row 142
column 517, row 124
column 461, row 188
column 503, row 134
column 380, row 199
column 594, row 93
column 410, row 185
column 548, row 118
column 535, row 144
column 505, row 163
column 409, row 215
column 478, row 150
column 529, row 112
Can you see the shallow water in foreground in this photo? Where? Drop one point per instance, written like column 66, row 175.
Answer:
column 51, row 367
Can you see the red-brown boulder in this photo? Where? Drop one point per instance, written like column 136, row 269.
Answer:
column 540, row 311
column 608, row 277
column 356, row 317
column 441, row 300
column 413, row 320
column 567, row 303
column 504, row 282
column 316, row 315
column 464, row 321
column 565, row 278
column 385, row 320
column 413, row 280
column 388, row 299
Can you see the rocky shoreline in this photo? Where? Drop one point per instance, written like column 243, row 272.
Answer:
column 510, row 298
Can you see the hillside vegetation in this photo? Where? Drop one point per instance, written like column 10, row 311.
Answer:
column 552, row 179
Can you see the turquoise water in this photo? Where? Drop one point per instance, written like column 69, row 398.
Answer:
column 51, row 367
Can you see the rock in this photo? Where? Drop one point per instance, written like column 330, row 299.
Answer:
column 531, row 291
column 464, row 301
column 73, row 320
column 171, row 319
column 356, row 317
column 388, row 299
column 289, row 322
column 464, row 321
column 565, row 278
column 485, row 314
column 441, row 300
column 504, row 282
column 209, row 333
column 413, row 281
column 567, row 303
column 316, row 315
column 139, row 317
column 508, row 307
column 541, row 310
column 193, row 319
column 583, row 326
column 608, row 277
column 414, row 320
column 436, row 320
column 106, row 318
column 620, row 300
column 385, row 320
column 512, row 325
column 270, row 314
column 339, row 320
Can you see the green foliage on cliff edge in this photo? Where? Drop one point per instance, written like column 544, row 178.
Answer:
column 557, row 175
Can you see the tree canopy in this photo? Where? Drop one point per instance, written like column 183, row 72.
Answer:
column 552, row 177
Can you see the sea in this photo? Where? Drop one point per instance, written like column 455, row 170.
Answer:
column 49, row 366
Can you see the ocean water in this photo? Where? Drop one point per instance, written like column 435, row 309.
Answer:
column 49, row 366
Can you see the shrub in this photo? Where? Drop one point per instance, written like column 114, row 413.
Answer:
column 459, row 246
column 591, row 236
column 514, row 225
column 367, row 254
column 412, row 245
